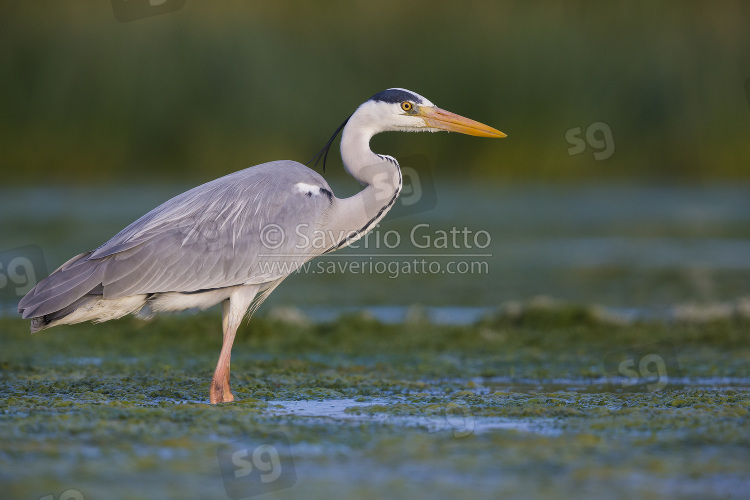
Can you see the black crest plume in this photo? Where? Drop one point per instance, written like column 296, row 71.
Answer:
column 324, row 152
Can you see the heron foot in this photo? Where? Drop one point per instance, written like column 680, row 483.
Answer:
column 220, row 392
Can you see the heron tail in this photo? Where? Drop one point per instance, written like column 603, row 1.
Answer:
column 69, row 287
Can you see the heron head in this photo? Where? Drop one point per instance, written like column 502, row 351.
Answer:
column 406, row 111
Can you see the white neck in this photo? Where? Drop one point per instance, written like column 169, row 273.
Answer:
column 359, row 160
column 380, row 175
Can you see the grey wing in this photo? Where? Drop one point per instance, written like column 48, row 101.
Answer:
column 249, row 227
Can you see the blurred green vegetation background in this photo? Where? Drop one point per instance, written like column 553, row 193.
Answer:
column 219, row 86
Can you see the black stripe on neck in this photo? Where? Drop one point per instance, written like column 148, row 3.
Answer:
column 372, row 221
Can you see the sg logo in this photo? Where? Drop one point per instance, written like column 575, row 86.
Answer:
column 418, row 192
column 598, row 136
column 454, row 416
column 253, row 466
column 20, row 270
column 648, row 368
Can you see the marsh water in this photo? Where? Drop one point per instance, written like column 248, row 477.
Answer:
column 468, row 245
column 366, row 382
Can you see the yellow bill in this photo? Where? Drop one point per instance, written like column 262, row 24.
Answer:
column 435, row 117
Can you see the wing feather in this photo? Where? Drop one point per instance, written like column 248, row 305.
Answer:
column 209, row 237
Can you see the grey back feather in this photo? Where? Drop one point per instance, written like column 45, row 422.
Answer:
column 244, row 228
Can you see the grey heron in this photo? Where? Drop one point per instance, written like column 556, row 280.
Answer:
column 233, row 240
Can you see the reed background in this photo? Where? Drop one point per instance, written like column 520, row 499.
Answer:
column 219, row 86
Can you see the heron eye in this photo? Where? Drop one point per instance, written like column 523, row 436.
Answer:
column 406, row 106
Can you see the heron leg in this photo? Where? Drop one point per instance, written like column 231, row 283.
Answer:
column 233, row 310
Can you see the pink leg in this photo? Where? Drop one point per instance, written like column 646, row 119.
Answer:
column 232, row 311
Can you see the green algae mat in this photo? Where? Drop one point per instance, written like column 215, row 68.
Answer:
column 539, row 404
